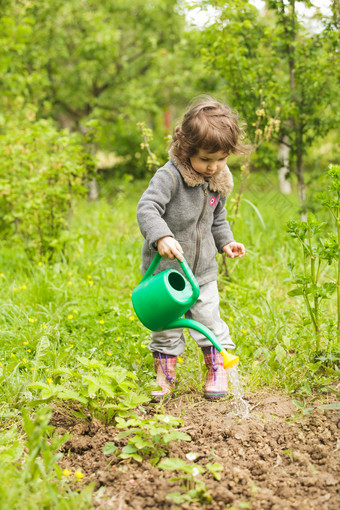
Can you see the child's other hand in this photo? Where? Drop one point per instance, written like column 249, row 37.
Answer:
column 234, row 249
column 170, row 248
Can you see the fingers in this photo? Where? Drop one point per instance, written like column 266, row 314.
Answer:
column 228, row 251
column 179, row 252
column 234, row 250
column 242, row 250
column 169, row 248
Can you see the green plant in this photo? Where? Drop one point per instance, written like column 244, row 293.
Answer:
column 194, row 488
column 43, row 171
column 152, row 162
column 301, row 408
column 31, row 477
column 105, row 391
column 331, row 201
column 150, row 437
column 315, row 252
column 215, row 469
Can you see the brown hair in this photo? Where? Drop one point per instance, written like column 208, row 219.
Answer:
column 208, row 125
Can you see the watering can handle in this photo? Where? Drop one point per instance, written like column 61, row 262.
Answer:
column 186, row 269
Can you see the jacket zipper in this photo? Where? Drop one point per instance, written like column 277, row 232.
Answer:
column 198, row 240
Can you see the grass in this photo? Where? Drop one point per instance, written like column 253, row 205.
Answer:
column 82, row 302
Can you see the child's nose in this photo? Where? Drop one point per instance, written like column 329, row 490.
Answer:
column 212, row 166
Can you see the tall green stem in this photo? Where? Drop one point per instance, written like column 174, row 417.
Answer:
column 338, row 275
column 314, row 314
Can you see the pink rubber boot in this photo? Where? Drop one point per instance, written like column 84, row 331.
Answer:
column 164, row 365
column 216, row 385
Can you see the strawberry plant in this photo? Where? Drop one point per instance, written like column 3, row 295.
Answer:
column 192, row 487
column 104, row 391
column 149, row 438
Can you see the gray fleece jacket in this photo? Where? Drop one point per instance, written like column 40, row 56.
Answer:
column 179, row 202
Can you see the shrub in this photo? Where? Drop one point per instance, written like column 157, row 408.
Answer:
column 43, row 171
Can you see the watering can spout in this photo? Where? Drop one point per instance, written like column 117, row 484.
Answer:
column 228, row 359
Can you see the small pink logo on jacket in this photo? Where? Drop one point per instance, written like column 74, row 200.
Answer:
column 214, row 201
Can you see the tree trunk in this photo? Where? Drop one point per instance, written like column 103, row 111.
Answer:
column 93, row 190
column 284, row 150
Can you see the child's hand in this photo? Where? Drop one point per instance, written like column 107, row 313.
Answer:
column 234, row 249
column 170, row 248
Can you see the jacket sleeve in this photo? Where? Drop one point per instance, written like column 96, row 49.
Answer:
column 152, row 206
column 221, row 230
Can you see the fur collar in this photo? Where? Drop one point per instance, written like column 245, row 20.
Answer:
column 221, row 183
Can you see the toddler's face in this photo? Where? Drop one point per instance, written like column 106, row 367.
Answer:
column 207, row 163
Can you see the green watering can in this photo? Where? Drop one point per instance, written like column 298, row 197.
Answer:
column 161, row 300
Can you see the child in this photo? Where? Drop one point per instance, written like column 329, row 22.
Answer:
column 182, row 212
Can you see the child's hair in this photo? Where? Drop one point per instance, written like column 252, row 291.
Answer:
column 208, row 125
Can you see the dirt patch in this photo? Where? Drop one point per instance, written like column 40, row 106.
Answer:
column 272, row 460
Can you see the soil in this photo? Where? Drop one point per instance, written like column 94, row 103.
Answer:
column 274, row 459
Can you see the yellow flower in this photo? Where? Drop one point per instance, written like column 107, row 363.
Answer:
column 44, row 326
column 13, row 355
column 118, row 338
column 15, row 289
column 69, row 283
column 71, row 346
column 32, row 320
column 78, row 255
column 79, row 474
column 90, row 282
column 101, row 343
column 132, row 318
column 109, row 353
column 40, row 264
column 102, row 322
column 67, row 472
column 70, row 274
column 29, row 350
column 231, row 319
column 25, row 343
column 2, row 275
column 70, row 316
column 49, row 380
column 0, row 364
column 23, row 287
column 180, row 360
column 89, row 276
column 24, row 360
column 142, row 346
column 244, row 331
column 89, row 263
column 47, row 370
column 101, row 329
column 75, row 311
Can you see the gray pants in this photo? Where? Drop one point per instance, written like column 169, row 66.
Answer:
column 206, row 311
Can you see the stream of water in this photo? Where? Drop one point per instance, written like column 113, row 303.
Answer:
column 240, row 407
